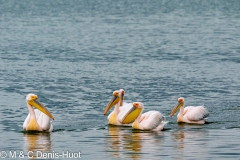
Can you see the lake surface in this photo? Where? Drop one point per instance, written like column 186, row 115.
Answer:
column 74, row 54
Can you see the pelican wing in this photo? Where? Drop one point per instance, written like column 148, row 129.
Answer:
column 125, row 106
column 43, row 121
column 151, row 120
column 196, row 113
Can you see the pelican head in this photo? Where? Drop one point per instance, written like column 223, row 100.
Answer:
column 176, row 108
column 138, row 105
column 117, row 96
column 132, row 113
column 32, row 101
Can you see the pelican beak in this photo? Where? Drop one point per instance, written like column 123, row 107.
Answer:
column 131, row 115
column 40, row 107
column 114, row 101
column 176, row 108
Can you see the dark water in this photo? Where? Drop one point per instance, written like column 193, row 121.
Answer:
column 73, row 54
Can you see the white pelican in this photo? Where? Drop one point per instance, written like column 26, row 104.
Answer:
column 151, row 120
column 190, row 114
column 38, row 119
column 119, row 109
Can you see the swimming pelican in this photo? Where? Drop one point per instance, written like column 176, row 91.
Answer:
column 190, row 114
column 151, row 120
column 119, row 109
column 38, row 119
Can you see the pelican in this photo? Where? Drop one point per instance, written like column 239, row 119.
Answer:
column 151, row 120
column 38, row 119
column 119, row 109
column 190, row 114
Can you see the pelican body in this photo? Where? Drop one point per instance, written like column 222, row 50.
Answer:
column 190, row 114
column 119, row 109
column 38, row 119
column 151, row 120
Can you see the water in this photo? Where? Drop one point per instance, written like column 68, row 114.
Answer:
column 73, row 54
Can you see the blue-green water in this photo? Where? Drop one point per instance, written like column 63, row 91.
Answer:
column 73, row 54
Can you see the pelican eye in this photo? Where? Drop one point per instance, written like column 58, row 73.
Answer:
column 136, row 104
column 115, row 93
column 180, row 99
column 33, row 98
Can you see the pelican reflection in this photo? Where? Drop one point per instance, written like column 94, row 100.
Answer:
column 123, row 142
column 189, row 141
column 37, row 142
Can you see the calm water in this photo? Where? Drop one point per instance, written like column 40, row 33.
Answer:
column 73, row 54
